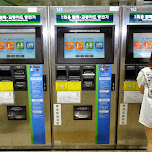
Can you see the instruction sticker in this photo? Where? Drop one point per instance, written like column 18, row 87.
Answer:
column 132, row 97
column 74, row 86
column 123, row 114
column 57, row 114
column 68, row 96
column 129, row 86
column 6, row 86
column 6, row 97
column 61, row 86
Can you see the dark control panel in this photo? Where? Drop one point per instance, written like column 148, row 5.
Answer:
column 88, row 77
column 74, row 72
column 85, row 74
column 20, row 78
column 131, row 71
column 6, row 73
column 61, row 73
column 18, row 75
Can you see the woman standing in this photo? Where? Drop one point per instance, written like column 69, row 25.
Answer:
column 144, row 81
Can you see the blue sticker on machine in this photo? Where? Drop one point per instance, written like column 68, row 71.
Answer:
column 104, row 102
column 37, row 103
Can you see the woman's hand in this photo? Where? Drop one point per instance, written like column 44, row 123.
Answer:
column 141, row 89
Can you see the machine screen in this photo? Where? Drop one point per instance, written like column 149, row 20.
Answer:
column 84, row 45
column 17, row 46
column 142, row 45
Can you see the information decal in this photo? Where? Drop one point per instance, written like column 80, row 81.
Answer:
column 84, row 17
column 103, row 102
column 140, row 18
column 9, row 18
column 36, row 103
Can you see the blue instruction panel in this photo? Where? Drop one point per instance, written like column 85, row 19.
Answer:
column 37, row 103
column 104, row 102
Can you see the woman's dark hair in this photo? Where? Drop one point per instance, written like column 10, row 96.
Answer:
column 150, row 62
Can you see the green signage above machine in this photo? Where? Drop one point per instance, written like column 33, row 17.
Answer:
column 84, row 17
column 140, row 18
column 20, row 18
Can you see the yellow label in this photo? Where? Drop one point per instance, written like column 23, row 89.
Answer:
column 74, row 85
column 136, row 84
column 61, row 86
column 129, row 85
column 6, row 86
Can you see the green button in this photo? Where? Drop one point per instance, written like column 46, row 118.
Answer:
column 88, row 45
column 19, row 45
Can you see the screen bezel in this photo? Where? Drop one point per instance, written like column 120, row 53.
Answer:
column 38, row 48
column 109, row 44
column 131, row 29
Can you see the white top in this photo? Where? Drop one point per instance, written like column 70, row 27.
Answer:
column 145, row 117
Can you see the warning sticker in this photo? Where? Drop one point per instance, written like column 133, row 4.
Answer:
column 74, row 86
column 61, row 86
column 6, row 86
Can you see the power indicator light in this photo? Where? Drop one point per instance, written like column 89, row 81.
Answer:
column 37, row 69
column 106, row 69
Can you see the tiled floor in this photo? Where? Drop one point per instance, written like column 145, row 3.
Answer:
column 106, row 151
column 85, row 151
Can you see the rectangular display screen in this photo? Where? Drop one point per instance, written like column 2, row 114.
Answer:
column 142, row 45
column 84, row 45
column 17, row 46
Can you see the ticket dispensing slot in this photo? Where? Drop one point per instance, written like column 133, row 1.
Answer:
column 61, row 73
column 130, row 72
column 83, row 112
column 88, row 78
column 20, row 78
column 5, row 73
column 139, row 67
column 74, row 73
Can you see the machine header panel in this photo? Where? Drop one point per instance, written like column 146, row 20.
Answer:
column 9, row 18
column 140, row 15
column 22, row 15
column 84, row 17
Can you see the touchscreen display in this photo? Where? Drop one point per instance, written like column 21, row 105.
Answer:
column 84, row 45
column 17, row 46
column 142, row 45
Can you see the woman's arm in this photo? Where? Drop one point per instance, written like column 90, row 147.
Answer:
column 141, row 89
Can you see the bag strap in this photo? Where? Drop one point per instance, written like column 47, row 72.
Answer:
column 145, row 77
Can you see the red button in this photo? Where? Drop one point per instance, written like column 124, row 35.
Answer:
column 106, row 69
column 37, row 69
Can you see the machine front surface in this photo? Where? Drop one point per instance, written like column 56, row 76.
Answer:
column 135, row 54
column 84, row 45
column 24, row 79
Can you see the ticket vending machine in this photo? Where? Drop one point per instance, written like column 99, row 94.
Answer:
column 135, row 53
column 24, row 79
column 84, row 57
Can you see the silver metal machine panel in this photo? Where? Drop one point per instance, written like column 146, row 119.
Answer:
column 69, row 133
column 131, row 133
column 16, row 134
